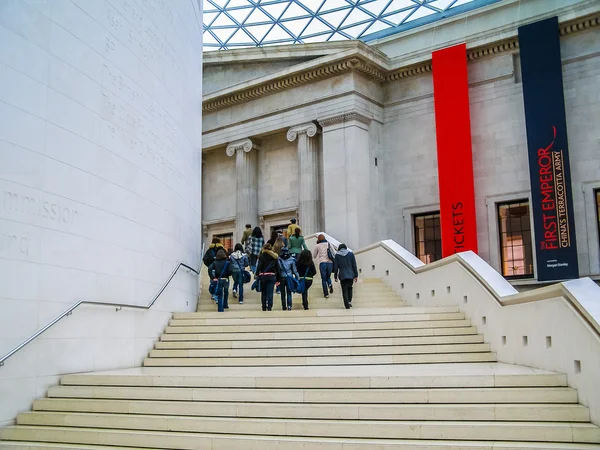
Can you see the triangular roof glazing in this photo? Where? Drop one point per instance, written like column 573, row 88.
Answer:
column 230, row 24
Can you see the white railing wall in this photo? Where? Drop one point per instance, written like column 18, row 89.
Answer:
column 554, row 328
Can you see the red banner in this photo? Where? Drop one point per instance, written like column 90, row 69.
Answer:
column 455, row 161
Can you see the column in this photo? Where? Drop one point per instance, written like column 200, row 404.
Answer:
column 347, row 179
column 308, row 176
column 246, row 171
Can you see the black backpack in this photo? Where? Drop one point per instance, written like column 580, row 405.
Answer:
column 209, row 256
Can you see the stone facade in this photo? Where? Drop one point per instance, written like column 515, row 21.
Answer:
column 375, row 112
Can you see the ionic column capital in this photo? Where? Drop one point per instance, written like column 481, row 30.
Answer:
column 309, row 128
column 246, row 145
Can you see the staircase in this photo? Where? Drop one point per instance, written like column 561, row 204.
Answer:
column 381, row 375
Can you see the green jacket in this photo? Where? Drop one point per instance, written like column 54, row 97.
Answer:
column 296, row 244
column 245, row 235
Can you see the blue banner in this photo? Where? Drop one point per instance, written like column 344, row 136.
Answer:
column 550, row 175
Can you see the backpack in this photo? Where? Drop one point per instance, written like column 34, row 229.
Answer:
column 209, row 256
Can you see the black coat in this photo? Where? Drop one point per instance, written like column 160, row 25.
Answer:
column 267, row 262
column 306, row 271
column 216, row 268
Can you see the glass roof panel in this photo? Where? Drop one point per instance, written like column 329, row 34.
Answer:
column 251, row 23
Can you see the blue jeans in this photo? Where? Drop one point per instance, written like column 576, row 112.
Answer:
column 222, row 294
column 266, row 292
column 238, row 285
column 326, row 268
column 253, row 262
column 286, row 294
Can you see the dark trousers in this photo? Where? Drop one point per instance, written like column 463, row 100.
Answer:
column 222, row 294
column 266, row 292
column 286, row 295
column 307, row 285
column 347, row 291
column 325, row 268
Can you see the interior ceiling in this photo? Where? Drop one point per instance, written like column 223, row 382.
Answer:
column 230, row 24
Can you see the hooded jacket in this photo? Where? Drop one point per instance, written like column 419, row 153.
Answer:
column 239, row 261
column 287, row 266
column 267, row 264
column 320, row 253
column 211, row 254
column 344, row 266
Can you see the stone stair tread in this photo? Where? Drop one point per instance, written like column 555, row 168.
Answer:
column 423, row 358
column 537, row 412
column 332, row 350
column 283, row 320
column 306, row 335
column 496, row 395
column 317, row 312
column 193, row 441
column 361, row 376
column 318, row 343
column 351, row 326
column 370, row 429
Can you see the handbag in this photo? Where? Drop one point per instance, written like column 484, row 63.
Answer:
column 246, row 277
column 329, row 252
column 212, row 288
column 301, row 286
column 245, row 274
column 256, row 285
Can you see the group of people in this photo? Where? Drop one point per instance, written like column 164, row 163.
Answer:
column 283, row 264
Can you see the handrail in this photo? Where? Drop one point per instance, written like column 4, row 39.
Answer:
column 501, row 291
column 119, row 306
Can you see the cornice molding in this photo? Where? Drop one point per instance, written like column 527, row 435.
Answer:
column 309, row 128
column 375, row 70
column 246, row 145
column 344, row 117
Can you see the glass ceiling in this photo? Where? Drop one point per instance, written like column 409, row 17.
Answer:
column 230, row 24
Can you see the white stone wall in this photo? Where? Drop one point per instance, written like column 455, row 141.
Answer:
column 99, row 181
column 581, row 80
column 277, row 174
column 218, row 185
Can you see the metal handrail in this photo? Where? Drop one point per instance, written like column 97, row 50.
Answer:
column 119, row 306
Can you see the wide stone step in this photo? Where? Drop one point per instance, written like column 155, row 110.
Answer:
column 321, row 351
column 420, row 321
column 321, row 360
column 446, row 375
column 106, row 440
column 339, row 411
column 290, row 320
column 305, row 335
column 183, row 316
column 370, row 429
column 317, row 343
column 545, row 395
column 296, row 306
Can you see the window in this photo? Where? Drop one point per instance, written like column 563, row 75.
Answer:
column 514, row 226
column 428, row 236
column 226, row 240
